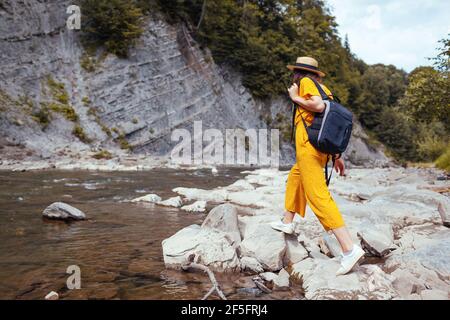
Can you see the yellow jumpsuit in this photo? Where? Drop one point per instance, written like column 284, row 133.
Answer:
column 306, row 181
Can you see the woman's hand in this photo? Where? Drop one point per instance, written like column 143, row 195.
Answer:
column 314, row 104
column 339, row 166
column 293, row 92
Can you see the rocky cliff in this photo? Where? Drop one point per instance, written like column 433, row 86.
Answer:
column 56, row 100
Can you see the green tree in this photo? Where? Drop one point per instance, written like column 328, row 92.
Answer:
column 427, row 97
column 114, row 24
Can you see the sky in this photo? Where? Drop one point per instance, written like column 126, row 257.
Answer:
column 400, row 32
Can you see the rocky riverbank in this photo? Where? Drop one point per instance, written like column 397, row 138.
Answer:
column 400, row 217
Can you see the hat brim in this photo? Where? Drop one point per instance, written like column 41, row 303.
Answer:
column 292, row 68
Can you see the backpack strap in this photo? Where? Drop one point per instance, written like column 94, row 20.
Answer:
column 321, row 91
column 294, row 109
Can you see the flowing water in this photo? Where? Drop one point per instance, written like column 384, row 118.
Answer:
column 118, row 249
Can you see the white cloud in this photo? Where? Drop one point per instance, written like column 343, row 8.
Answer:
column 400, row 32
column 373, row 19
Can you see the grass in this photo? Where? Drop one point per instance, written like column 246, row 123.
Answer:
column 66, row 110
column 103, row 154
column 86, row 101
column 87, row 63
column 42, row 116
column 78, row 132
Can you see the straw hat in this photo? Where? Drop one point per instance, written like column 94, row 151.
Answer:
column 308, row 64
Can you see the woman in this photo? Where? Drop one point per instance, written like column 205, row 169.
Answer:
column 306, row 182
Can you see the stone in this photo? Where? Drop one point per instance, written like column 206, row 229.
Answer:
column 52, row 296
column 295, row 252
column 405, row 283
column 444, row 211
column 332, row 244
column 434, row 295
column 63, row 211
column 378, row 240
column 240, row 185
column 152, row 198
column 251, row 264
column 265, row 244
column 216, row 195
column 211, row 247
column 320, row 281
column 197, row 206
column 224, row 218
column 175, row 202
column 281, row 282
column 268, row 276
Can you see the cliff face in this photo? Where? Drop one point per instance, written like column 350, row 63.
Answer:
column 56, row 100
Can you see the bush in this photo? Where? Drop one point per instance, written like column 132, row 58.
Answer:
column 443, row 162
column 114, row 24
column 431, row 146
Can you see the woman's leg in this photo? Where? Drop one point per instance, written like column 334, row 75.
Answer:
column 344, row 239
column 288, row 217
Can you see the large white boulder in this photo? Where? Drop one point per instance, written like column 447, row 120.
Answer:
column 320, row 281
column 224, row 218
column 63, row 211
column 444, row 211
column 152, row 198
column 197, row 206
column 175, row 202
column 211, row 247
column 295, row 252
column 378, row 239
column 264, row 244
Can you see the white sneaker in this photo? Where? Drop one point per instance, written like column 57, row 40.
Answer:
column 350, row 260
column 283, row 227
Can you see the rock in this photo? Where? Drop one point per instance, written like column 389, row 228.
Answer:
column 434, row 295
column 281, row 282
column 240, row 185
column 320, row 281
column 216, row 195
column 172, row 202
column 311, row 247
column 224, row 218
column 444, row 211
column 405, row 283
column 378, row 240
column 197, row 206
column 332, row 245
column 268, row 276
column 265, row 244
column 52, row 296
column 295, row 252
column 423, row 253
column 251, row 264
column 153, row 198
column 63, row 211
column 211, row 247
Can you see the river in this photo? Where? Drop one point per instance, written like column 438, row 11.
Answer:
column 118, row 249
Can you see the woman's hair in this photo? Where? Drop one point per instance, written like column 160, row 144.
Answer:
column 300, row 74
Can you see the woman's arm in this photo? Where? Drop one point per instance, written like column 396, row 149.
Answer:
column 315, row 104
